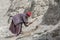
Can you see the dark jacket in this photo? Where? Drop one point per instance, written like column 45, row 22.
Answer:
column 18, row 19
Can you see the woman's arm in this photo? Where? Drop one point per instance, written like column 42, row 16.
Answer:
column 29, row 23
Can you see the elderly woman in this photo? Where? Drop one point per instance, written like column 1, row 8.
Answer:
column 17, row 21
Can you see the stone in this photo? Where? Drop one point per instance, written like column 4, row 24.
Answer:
column 46, row 11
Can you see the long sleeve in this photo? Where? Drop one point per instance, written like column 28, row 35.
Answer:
column 25, row 20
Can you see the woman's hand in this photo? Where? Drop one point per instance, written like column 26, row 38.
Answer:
column 28, row 24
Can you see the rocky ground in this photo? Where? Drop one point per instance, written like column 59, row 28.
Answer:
column 48, row 19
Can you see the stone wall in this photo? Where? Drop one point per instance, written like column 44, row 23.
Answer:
column 47, row 10
column 52, row 16
column 4, row 5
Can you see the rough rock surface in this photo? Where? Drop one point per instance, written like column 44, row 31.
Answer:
column 47, row 12
column 52, row 16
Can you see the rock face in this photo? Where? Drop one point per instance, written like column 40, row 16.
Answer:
column 3, row 8
column 47, row 12
column 52, row 16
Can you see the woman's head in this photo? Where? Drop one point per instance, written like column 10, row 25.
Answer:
column 28, row 13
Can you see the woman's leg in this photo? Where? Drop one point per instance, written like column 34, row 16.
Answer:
column 19, row 29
